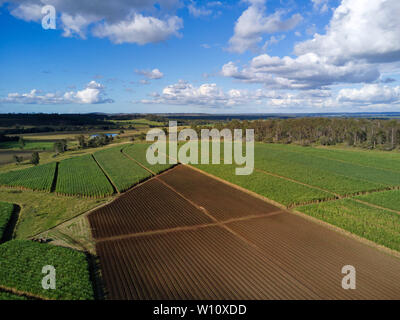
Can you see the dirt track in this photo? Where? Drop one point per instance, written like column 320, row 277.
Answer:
column 230, row 246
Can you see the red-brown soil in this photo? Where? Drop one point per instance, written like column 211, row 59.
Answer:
column 185, row 235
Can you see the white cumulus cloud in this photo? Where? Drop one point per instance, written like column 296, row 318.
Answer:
column 371, row 94
column 359, row 40
column 207, row 94
column 139, row 29
column 254, row 23
column 93, row 93
column 119, row 20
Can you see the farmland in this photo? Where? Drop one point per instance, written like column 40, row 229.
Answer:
column 35, row 178
column 138, row 152
column 161, row 238
column 267, row 253
column 82, row 176
column 378, row 225
column 123, row 172
column 137, row 214
column 21, row 263
column 387, row 199
column 28, row 145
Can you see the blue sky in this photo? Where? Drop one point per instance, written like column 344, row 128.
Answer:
column 200, row 56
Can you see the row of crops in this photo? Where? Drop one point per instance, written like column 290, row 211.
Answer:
column 378, row 225
column 82, row 176
column 331, row 174
column 123, row 172
column 138, row 152
column 21, row 264
column 34, row 178
column 274, row 188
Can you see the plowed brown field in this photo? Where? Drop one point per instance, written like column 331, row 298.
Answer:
column 150, row 206
column 184, row 235
column 221, row 200
column 208, row 263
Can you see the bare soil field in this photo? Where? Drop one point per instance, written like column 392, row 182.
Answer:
column 185, row 235
column 219, row 199
column 315, row 256
column 150, row 206
column 208, row 263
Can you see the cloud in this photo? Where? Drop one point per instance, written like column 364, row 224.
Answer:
column 359, row 31
column 198, row 11
column 93, row 93
column 321, row 5
column 139, row 29
column 358, row 41
column 371, row 94
column 119, row 20
column 208, row 94
column 153, row 74
column 254, row 23
column 305, row 72
column 28, row 12
column 273, row 40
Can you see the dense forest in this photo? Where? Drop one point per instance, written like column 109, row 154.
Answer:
column 364, row 133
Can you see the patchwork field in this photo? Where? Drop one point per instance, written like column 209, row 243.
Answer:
column 185, row 235
column 148, row 207
column 123, row 172
column 244, row 248
column 138, row 153
column 82, row 176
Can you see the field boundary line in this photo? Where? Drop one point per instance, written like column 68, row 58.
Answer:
column 296, row 181
column 23, row 293
column 337, row 195
column 55, row 178
column 344, row 232
column 137, row 162
column 376, row 206
column 278, row 265
column 265, row 199
column 303, row 215
column 344, row 161
column 352, row 197
column 87, row 212
column 106, row 175
column 187, row 228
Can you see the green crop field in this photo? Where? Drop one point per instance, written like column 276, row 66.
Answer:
column 35, row 178
column 333, row 175
column 82, row 176
column 29, row 145
column 387, row 199
column 378, row 225
column 123, row 172
column 285, row 192
column 369, row 158
column 10, row 296
column 138, row 152
column 6, row 210
column 21, row 264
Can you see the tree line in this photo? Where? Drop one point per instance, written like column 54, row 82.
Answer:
column 364, row 133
